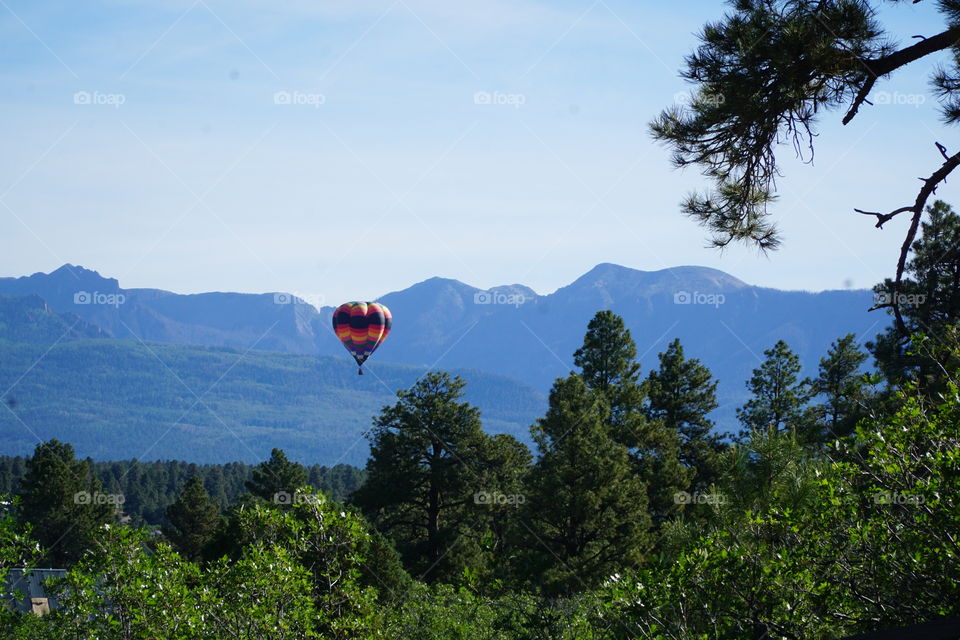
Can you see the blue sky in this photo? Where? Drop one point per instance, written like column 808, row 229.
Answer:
column 338, row 149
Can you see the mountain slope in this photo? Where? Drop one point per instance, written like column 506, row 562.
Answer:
column 270, row 322
column 719, row 319
column 30, row 319
column 508, row 330
column 120, row 399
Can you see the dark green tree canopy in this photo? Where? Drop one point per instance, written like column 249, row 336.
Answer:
column 277, row 478
column 929, row 295
column 607, row 361
column 586, row 508
column 608, row 356
column 843, row 391
column 778, row 394
column 681, row 393
column 194, row 520
column 60, row 499
column 429, row 458
column 608, row 366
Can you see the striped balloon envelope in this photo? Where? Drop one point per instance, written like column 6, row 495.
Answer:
column 362, row 327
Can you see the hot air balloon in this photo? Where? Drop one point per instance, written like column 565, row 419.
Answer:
column 361, row 327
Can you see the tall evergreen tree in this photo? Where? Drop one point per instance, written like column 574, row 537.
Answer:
column 587, row 510
column 505, row 463
column 681, row 393
column 779, row 395
column 426, row 456
column 843, row 390
column 930, row 300
column 60, row 498
column 194, row 520
column 277, row 478
column 607, row 361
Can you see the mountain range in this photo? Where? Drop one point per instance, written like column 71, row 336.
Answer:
column 507, row 336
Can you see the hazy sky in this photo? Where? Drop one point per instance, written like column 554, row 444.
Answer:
column 343, row 150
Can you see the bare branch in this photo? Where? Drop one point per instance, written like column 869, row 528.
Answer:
column 883, row 218
column 878, row 67
column 860, row 99
column 929, row 188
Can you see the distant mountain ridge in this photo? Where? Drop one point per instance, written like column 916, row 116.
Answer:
column 508, row 330
column 211, row 319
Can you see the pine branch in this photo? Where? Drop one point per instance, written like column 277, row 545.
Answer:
column 929, row 188
column 878, row 67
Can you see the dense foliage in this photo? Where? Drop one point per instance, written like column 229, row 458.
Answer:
column 789, row 541
column 834, row 512
column 148, row 488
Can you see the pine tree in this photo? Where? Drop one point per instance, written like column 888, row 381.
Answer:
column 607, row 362
column 844, row 391
column 766, row 72
column 681, row 394
column 587, row 510
column 60, row 498
column 608, row 366
column 778, row 394
column 426, row 457
column 213, row 475
column 277, row 479
column 383, row 570
column 194, row 520
column 930, row 300
column 505, row 463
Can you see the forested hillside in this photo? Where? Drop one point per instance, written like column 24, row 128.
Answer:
column 126, row 399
